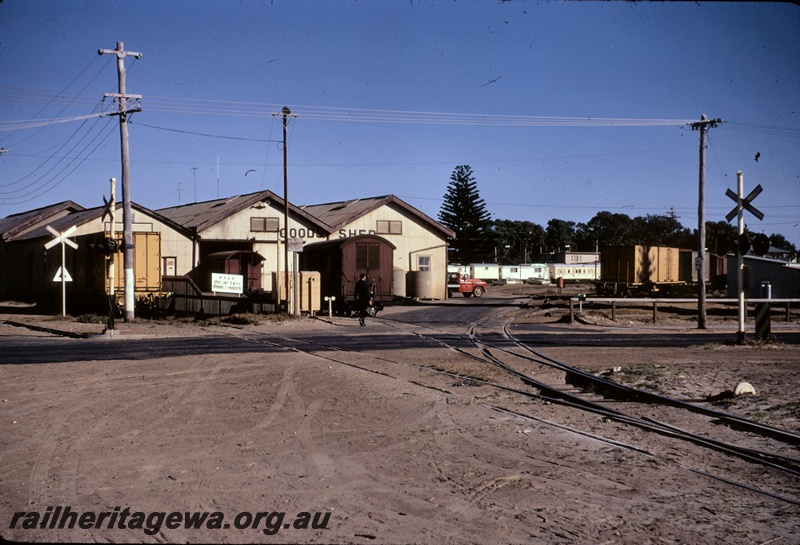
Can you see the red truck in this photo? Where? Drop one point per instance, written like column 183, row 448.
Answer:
column 459, row 282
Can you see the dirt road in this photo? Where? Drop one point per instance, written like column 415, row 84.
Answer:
column 374, row 445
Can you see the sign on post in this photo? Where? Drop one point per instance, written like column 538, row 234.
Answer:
column 746, row 203
column 227, row 283
column 62, row 274
column 743, row 244
column 295, row 244
column 61, row 238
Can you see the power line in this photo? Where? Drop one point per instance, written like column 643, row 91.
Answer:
column 361, row 115
column 324, row 113
column 97, row 74
column 53, row 157
column 18, row 125
column 202, row 134
column 53, row 182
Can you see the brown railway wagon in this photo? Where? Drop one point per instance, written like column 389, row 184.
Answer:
column 625, row 270
column 341, row 261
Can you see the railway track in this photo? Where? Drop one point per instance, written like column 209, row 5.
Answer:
column 492, row 342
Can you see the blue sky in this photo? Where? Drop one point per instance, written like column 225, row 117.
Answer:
column 391, row 96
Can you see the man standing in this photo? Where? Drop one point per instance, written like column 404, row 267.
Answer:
column 363, row 297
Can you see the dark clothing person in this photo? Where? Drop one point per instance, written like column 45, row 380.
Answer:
column 363, row 298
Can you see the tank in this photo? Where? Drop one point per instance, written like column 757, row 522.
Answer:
column 421, row 284
column 399, row 282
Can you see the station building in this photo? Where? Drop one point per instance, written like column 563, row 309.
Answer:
column 242, row 234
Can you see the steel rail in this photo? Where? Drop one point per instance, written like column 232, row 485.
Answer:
column 565, row 398
column 646, row 453
column 616, row 390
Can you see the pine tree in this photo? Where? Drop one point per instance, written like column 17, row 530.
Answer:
column 464, row 212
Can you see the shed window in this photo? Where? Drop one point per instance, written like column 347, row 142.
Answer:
column 385, row 227
column 424, row 263
column 264, row 224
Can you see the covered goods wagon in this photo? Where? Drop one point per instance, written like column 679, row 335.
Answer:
column 340, row 262
column 646, row 270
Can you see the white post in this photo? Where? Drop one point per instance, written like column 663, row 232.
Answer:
column 740, row 258
column 296, row 284
column 112, row 268
column 63, row 280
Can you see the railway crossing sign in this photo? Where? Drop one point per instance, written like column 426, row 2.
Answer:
column 743, row 243
column 745, row 203
column 62, row 275
column 61, row 238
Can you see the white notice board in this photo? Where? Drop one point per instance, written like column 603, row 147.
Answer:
column 227, row 283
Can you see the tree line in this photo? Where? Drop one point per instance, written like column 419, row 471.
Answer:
column 479, row 239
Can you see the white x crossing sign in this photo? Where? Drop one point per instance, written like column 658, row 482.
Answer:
column 745, row 203
column 62, row 275
column 61, row 237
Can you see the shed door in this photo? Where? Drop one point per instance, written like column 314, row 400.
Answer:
column 368, row 256
column 254, row 275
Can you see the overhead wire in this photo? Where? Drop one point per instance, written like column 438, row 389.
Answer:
column 54, row 180
column 333, row 114
column 53, row 156
column 191, row 106
column 18, row 125
column 97, row 74
column 323, row 113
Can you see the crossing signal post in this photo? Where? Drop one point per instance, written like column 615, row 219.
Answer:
column 743, row 243
column 111, row 251
column 62, row 274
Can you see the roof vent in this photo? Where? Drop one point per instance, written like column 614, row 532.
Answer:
column 345, row 205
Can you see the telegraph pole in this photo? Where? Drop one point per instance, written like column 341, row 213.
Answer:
column 702, row 126
column 127, row 213
column 286, row 113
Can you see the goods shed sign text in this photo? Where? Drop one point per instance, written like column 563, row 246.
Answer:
column 227, row 283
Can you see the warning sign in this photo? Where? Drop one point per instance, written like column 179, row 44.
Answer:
column 227, row 283
column 62, row 271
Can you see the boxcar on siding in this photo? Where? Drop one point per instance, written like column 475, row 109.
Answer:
column 645, row 270
column 340, row 262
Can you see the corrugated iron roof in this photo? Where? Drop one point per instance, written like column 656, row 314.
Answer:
column 16, row 225
column 339, row 214
column 86, row 215
column 203, row 215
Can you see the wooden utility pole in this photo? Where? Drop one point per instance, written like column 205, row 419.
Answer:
column 127, row 213
column 286, row 113
column 702, row 126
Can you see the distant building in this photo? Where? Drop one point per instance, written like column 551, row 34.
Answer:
column 570, row 257
column 783, row 277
